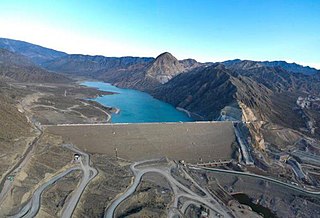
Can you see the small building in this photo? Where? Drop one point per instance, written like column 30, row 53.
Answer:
column 182, row 162
column 77, row 157
column 204, row 212
column 10, row 178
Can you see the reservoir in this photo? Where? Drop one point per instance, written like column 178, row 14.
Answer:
column 136, row 106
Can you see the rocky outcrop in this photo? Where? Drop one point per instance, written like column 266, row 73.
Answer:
column 164, row 68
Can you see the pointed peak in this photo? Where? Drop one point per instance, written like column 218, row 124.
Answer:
column 166, row 55
column 165, row 67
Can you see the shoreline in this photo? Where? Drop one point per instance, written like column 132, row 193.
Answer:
column 117, row 110
column 114, row 110
column 191, row 115
column 185, row 111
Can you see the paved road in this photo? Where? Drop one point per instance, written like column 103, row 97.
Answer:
column 33, row 206
column 178, row 189
column 293, row 187
column 110, row 210
column 5, row 185
column 119, row 124
column 88, row 174
column 296, row 167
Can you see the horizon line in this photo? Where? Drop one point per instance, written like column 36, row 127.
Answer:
column 313, row 65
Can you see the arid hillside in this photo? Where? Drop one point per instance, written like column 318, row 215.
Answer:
column 15, row 131
column 19, row 68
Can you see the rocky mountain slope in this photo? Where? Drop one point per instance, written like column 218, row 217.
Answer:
column 279, row 102
column 19, row 68
column 148, row 75
column 14, row 128
column 164, row 68
column 36, row 53
column 290, row 67
column 142, row 73
column 93, row 66
column 269, row 90
column 270, row 93
column 133, row 72
column 204, row 91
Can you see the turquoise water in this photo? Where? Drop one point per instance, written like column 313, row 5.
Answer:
column 136, row 106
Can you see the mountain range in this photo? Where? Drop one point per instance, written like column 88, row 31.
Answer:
column 290, row 67
column 20, row 68
column 233, row 90
column 36, row 53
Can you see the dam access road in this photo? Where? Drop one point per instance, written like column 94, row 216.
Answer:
column 32, row 207
column 205, row 135
column 179, row 190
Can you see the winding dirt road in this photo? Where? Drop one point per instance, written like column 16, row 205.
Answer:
column 32, row 207
column 178, row 189
column 5, row 184
column 265, row 178
column 88, row 174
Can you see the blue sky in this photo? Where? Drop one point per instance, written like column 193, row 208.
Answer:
column 209, row 30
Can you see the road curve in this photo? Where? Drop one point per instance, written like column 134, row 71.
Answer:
column 88, row 174
column 5, row 185
column 179, row 190
column 293, row 187
column 137, row 178
column 33, row 206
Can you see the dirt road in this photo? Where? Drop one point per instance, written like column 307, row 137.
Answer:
column 5, row 185
column 88, row 174
column 178, row 189
column 32, row 207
